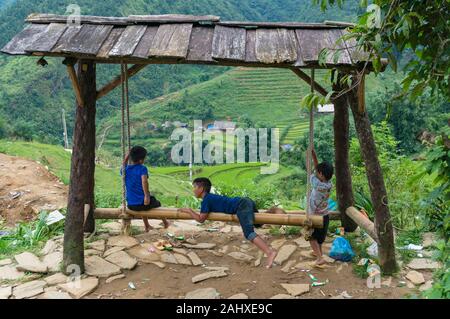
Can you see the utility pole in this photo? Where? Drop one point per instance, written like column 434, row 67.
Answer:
column 66, row 140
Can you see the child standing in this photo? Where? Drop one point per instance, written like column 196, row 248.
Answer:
column 244, row 208
column 318, row 204
column 136, row 184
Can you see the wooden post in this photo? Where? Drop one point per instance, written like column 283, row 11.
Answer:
column 341, row 127
column 363, row 222
column 383, row 224
column 81, row 189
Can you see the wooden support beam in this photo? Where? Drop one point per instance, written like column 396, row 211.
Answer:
column 363, row 222
column 305, row 77
column 173, row 213
column 74, row 80
column 117, row 81
column 361, row 94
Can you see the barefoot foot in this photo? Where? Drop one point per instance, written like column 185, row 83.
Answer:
column 271, row 258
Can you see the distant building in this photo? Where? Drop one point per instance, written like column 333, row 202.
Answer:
column 327, row 108
column 287, row 147
column 221, row 126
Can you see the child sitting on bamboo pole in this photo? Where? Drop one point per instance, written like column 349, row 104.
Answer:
column 244, row 208
column 136, row 184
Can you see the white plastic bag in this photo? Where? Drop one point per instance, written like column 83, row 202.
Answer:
column 372, row 250
column 54, row 217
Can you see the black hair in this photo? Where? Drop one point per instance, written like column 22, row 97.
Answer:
column 326, row 169
column 203, row 182
column 137, row 153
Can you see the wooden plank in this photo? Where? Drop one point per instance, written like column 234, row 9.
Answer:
column 128, row 41
column 54, row 18
column 310, row 42
column 336, row 43
column 65, row 39
column 276, row 45
column 356, row 54
column 229, row 43
column 253, row 24
column 113, row 37
column 75, row 84
column 88, row 40
column 171, row 18
column 118, row 80
column 250, row 46
column 48, row 38
column 23, row 39
column 200, row 46
column 143, row 48
column 171, row 40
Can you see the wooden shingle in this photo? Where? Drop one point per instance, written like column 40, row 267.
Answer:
column 88, row 40
column 276, row 46
column 128, row 41
column 200, row 46
column 171, row 40
column 229, row 43
column 25, row 38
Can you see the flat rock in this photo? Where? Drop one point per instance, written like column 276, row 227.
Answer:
column 55, row 295
column 296, row 289
column 180, row 226
column 427, row 285
column 5, row 262
column 200, row 246
column 307, row 254
column 302, row 243
column 29, row 289
column 328, row 259
column 143, row 254
column 224, row 249
column 196, row 261
column 159, row 264
column 5, row 292
column 81, row 288
column 169, row 258
column 30, row 262
column 112, row 251
column 429, row 240
column 180, row 251
column 284, row 254
column 305, row 265
column 258, row 259
column 97, row 245
column 50, row 246
column 112, row 227
column 282, row 296
column 208, row 275
column 55, row 279
column 240, row 256
column 183, row 260
column 238, row 296
column 288, row 266
column 276, row 244
column 203, row 293
column 226, row 229
column 53, row 261
column 423, row 264
column 98, row 267
column 123, row 241
column 415, row 277
column 92, row 252
column 191, row 241
column 111, row 279
column 122, row 259
column 10, row 272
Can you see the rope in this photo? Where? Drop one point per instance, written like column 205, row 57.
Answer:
column 122, row 78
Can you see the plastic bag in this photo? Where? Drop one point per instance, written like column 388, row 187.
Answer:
column 341, row 250
column 372, row 250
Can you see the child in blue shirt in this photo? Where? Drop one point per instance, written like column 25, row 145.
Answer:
column 244, row 208
column 136, row 184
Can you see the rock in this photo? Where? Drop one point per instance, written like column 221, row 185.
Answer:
column 302, row 243
column 387, row 282
column 112, row 251
column 238, row 296
column 55, row 279
column 5, row 292
column 183, row 226
column 111, row 279
column 296, row 289
column 168, row 258
column 50, row 246
column 183, row 260
column 282, row 296
column 196, row 261
column 245, row 247
column 55, row 295
column 200, row 246
column 284, row 254
column 142, row 253
column 53, row 261
column 208, row 275
column 122, row 259
column 429, row 240
column 10, row 272
column 81, row 288
column 258, row 259
column 410, row 285
column 92, row 252
column 224, row 249
column 426, row 253
column 180, row 251
column 98, row 267
column 276, row 244
column 328, row 259
column 123, row 241
column 29, row 289
column 226, row 229
column 415, row 277
column 5, row 262
column 112, row 227
column 305, row 265
column 215, row 253
column 203, row 293
column 159, row 264
column 217, row 268
column 423, row 263
column 30, row 262
column 427, row 285
column 288, row 266
column 240, row 256
column 97, row 245
column 191, row 241
column 307, row 254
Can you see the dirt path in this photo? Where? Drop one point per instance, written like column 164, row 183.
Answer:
column 26, row 188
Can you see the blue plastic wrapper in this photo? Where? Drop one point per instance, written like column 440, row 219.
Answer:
column 332, row 205
column 341, row 250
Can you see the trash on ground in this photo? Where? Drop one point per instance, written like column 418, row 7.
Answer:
column 54, row 217
column 312, row 277
column 131, row 285
column 363, row 262
column 372, row 250
column 341, row 250
column 412, row 247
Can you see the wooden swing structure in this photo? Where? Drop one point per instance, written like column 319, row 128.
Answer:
column 186, row 39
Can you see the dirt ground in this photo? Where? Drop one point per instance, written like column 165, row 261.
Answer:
column 26, row 188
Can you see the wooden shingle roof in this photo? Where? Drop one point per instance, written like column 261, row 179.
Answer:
column 184, row 39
